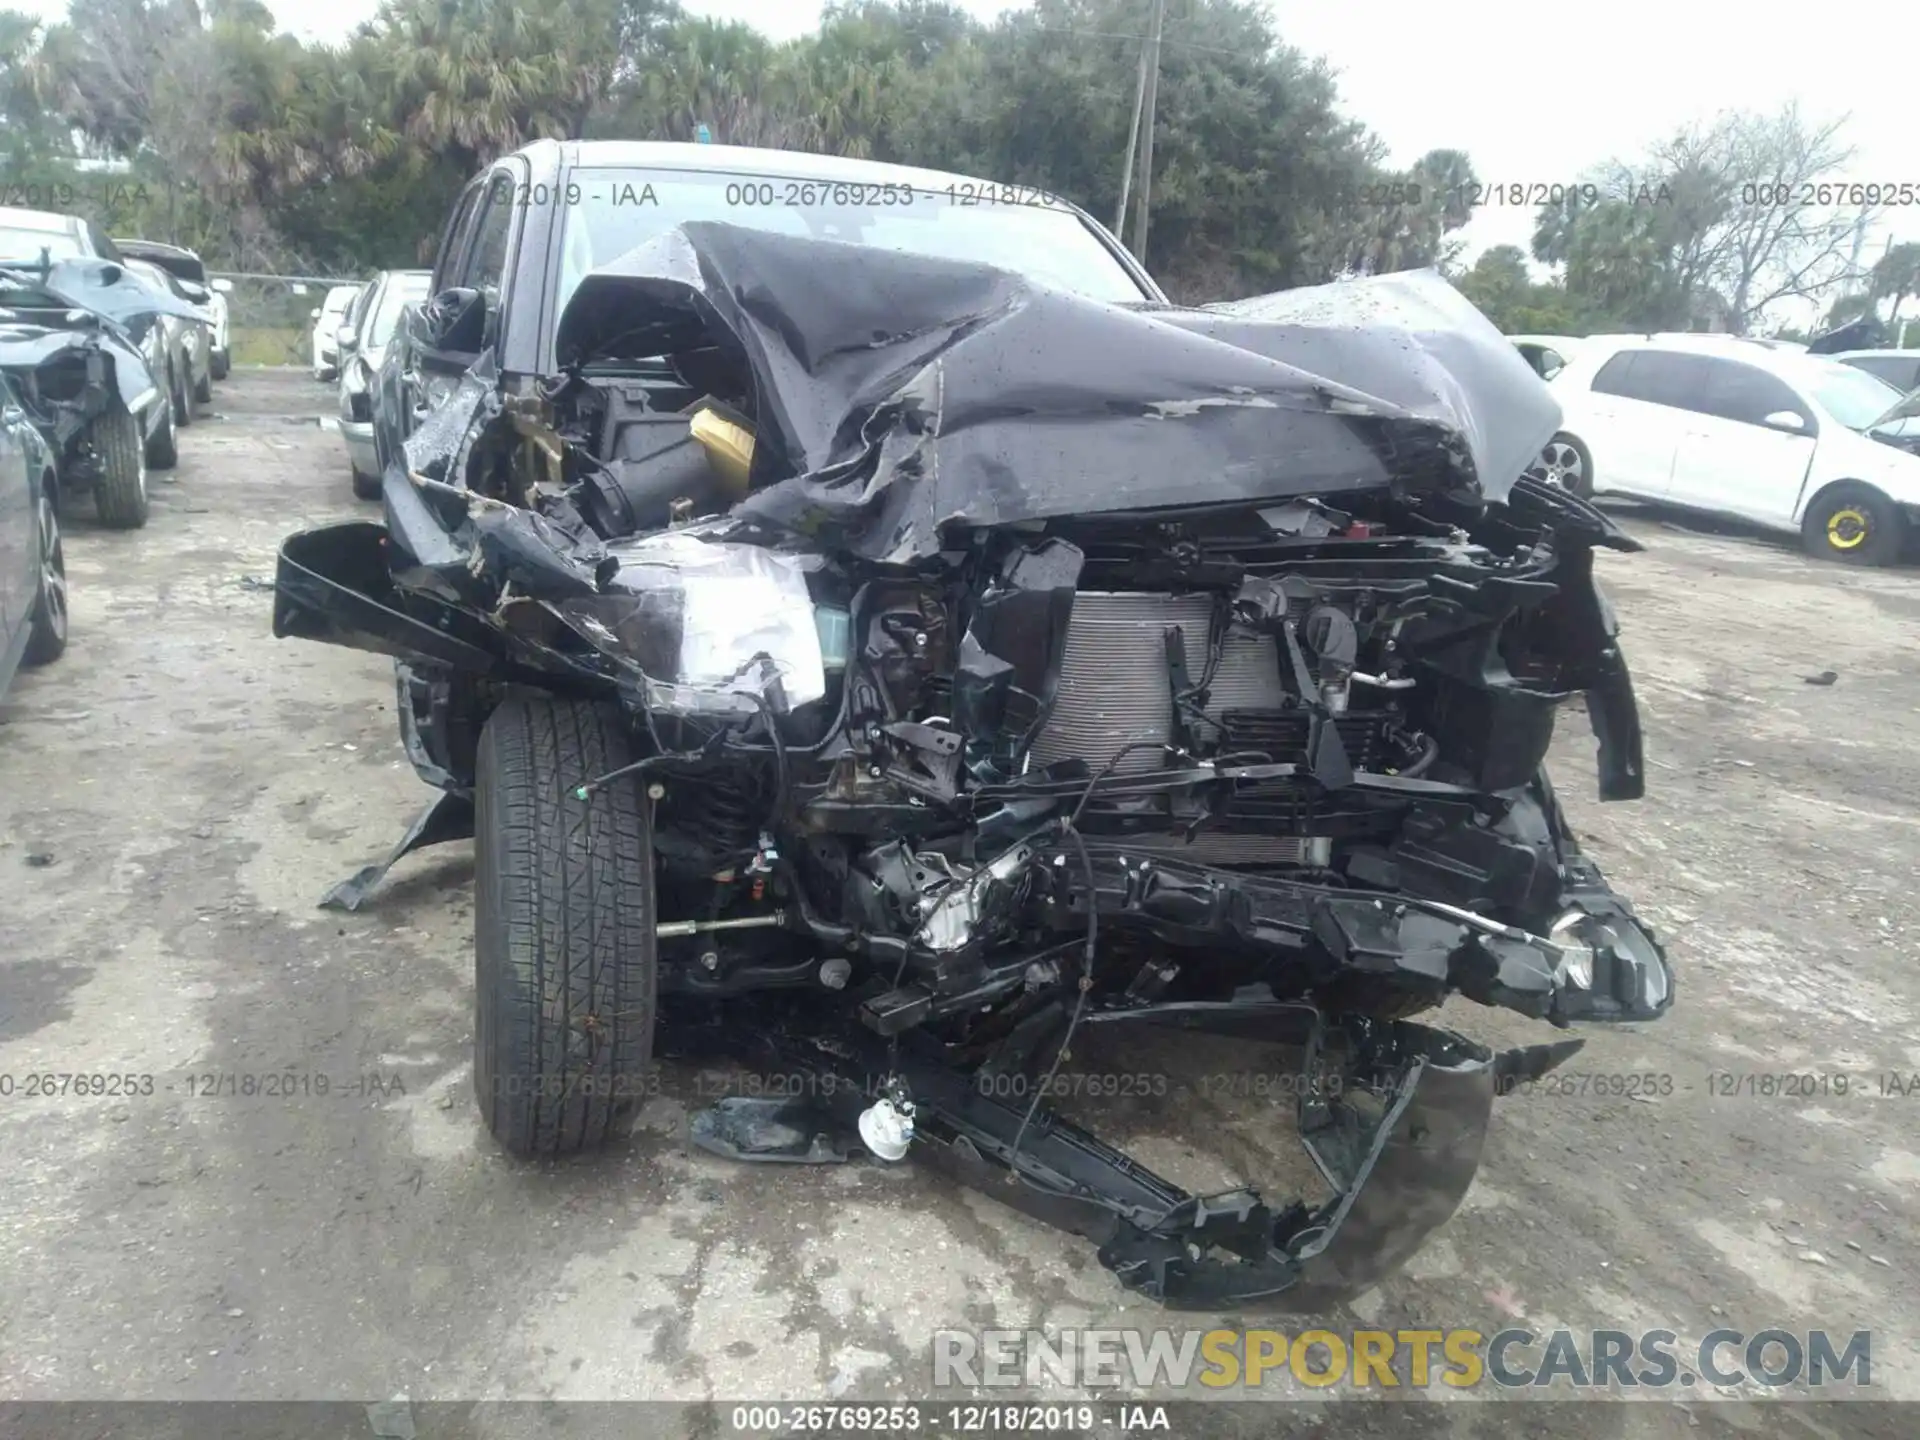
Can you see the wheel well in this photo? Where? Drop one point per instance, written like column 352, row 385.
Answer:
column 1831, row 486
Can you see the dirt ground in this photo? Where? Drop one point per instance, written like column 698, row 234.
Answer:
column 178, row 791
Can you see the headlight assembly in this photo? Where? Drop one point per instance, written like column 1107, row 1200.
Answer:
column 713, row 628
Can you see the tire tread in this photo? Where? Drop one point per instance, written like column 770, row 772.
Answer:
column 44, row 645
column 118, row 497
column 564, row 931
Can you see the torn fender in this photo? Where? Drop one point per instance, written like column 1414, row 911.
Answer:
column 49, row 322
column 333, row 585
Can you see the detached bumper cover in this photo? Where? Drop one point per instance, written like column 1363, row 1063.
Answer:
column 1398, row 1179
column 1400, row 1161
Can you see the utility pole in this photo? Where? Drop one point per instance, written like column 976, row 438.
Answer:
column 1146, row 142
column 1859, row 244
column 1133, row 139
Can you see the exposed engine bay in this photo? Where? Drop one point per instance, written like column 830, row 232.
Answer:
column 997, row 663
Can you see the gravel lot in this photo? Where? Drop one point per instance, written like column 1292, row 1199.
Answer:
column 177, row 792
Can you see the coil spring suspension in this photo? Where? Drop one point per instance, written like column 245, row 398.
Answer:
column 723, row 816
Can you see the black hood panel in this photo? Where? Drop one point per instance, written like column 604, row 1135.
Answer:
column 896, row 394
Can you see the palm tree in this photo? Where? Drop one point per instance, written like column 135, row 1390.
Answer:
column 480, row 77
column 1896, row 275
column 1446, row 181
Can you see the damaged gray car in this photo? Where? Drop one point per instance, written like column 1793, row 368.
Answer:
column 83, row 343
column 883, row 667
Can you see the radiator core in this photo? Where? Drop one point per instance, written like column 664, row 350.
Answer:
column 1114, row 686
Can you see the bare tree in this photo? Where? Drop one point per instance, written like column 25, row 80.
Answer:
column 1715, row 224
column 1790, row 223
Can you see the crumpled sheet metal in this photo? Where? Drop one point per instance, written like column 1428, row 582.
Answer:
column 113, row 291
column 438, row 448
column 28, row 347
column 1413, row 340
column 102, row 289
column 896, row 393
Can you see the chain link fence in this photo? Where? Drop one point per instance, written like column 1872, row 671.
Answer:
column 270, row 317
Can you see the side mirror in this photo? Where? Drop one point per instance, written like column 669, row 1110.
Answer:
column 346, row 338
column 1789, row 420
column 455, row 321
column 198, row 294
column 314, row 314
column 224, row 286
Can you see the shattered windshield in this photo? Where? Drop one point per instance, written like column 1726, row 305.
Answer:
column 613, row 210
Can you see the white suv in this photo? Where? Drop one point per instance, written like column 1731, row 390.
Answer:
column 1790, row 441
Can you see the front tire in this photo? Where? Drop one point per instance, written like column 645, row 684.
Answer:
column 1854, row 524
column 564, row 943
column 163, row 446
column 47, row 635
column 203, row 388
column 365, row 486
column 221, row 364
column 183, row 407
column 120, row 488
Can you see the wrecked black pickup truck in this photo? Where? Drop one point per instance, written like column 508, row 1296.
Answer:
column 886, row 668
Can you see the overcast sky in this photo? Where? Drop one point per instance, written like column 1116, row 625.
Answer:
column 1533, row 90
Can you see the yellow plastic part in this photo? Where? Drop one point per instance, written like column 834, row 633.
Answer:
column 729, row 446
column 1847, row 529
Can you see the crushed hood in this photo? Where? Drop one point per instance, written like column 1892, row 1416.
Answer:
column 113, row 291
column 894, row 394
column 29, row 342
